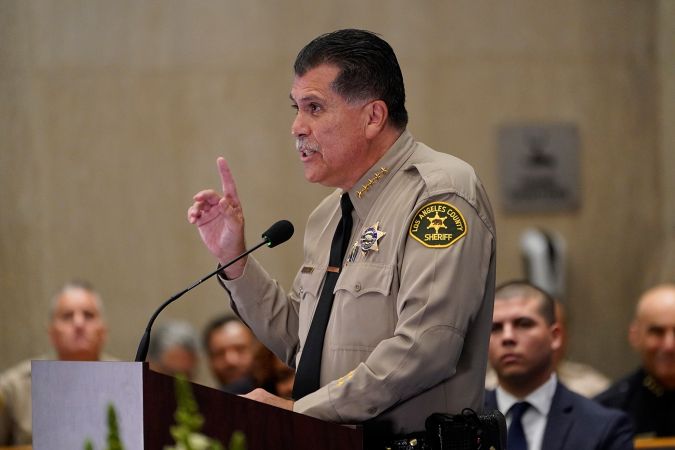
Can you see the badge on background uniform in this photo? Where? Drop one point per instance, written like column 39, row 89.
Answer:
column 438, row 225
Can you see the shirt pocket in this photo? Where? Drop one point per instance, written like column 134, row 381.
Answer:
column 364, row 279
column 364, row 310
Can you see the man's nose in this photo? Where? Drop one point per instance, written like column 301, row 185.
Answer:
column 669, row 340
column 299, row 126
column 508, row 335
column 231, row 358
column 79, row 319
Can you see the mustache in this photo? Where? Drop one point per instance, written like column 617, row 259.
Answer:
column 304, row 145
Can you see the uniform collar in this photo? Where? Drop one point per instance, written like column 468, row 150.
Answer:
column 366, row 190
column 653, row 385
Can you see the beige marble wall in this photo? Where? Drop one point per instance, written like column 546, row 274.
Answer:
column 112, row 115
column 665, row 269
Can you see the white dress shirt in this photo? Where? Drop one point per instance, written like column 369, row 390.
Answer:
column 535, row 417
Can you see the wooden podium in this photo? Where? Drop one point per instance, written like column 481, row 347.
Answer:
column 70, row 405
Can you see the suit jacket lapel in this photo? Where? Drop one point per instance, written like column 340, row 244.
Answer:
column 559, row 420
column 491, row 400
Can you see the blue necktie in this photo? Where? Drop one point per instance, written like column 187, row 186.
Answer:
column 516, row 435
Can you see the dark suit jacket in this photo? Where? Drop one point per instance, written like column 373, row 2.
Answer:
column 578, row 423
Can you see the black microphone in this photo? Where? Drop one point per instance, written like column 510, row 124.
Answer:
column 277, row 234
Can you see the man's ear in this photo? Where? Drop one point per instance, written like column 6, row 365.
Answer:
column 51, row 333
column 557, row 336
column 104, row 334
column 634, row 335
column 376, row 118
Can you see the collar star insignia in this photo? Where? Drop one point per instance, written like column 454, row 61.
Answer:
column 370, row 238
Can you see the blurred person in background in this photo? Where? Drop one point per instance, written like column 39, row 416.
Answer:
column 174, row 349
column 77, row 332
column 230, row 348
column 540, row 411
column 272, row 374
column 578, row 377
column 648, row 393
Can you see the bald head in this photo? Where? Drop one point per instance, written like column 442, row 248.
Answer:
column 658, row 298
column 652, row 333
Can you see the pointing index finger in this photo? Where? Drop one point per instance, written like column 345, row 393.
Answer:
column 226, row 179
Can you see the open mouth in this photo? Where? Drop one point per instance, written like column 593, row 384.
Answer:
column 305, row 148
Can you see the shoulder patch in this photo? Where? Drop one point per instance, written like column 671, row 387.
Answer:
column 438, row 225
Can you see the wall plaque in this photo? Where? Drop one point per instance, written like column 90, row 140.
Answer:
column 539, row 167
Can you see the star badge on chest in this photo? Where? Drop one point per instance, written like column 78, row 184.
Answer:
column 370, row 237
column 368, row 241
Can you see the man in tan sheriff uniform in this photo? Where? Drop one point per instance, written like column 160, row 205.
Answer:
column 412, row 312
column 77, row 332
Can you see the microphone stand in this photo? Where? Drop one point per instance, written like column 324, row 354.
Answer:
column 143, row 346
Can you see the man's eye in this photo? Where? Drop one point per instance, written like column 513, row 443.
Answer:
column 656, row 331
column 66, row 317
column 525, row 323
column 314, row 107
column 294, row 108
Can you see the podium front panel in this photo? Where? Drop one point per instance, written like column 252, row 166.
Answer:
column 70, row 403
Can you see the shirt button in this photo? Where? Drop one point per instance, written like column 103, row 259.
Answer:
column 357, row 287
column 302, row 291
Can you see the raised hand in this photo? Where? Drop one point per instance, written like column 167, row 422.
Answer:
column 220, row 221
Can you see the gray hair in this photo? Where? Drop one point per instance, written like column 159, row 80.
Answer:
column 171, row 334
column 71, row 285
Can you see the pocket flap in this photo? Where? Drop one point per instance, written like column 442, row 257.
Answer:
column 365, row 278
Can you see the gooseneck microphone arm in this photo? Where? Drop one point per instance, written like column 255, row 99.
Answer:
column 278, row 233
column 143, row 346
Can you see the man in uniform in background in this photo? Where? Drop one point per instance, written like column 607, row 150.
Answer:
column 77, row 332
column 648, row 394
column 389, row 316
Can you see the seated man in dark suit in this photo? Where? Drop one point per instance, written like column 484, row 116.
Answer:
column 541, row 412
column 648, row 393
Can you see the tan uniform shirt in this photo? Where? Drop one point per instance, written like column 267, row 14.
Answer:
column 16, row 421
column 15, row 405
column 410, row 322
